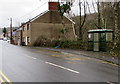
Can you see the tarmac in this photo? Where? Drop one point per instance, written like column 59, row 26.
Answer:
column 98, row 55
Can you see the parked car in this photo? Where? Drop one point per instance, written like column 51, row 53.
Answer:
column 5, row 39
column 1, row 38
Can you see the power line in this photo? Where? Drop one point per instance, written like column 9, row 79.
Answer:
column 34, row 10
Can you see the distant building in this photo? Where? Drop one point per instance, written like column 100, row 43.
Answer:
column 48, row 24
column 14, row 34
column 1, row 36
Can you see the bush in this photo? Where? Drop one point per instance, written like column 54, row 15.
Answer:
column 43, row 42
column 114, row 48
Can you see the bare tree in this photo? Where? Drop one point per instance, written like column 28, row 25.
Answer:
column 82, row 22
column 82, row 19
column 63, row 8
column 117, row 12
column 99, row 15
column 116, row 45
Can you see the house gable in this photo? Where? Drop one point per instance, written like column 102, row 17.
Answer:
column 51, row 17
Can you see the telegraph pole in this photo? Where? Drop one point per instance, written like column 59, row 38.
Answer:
column 11, row 30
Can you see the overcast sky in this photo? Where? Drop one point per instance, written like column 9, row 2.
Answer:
column 18, row 10
column 23, row 10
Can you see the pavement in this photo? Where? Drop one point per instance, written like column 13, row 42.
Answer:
column 98, row 55
column 31, row 64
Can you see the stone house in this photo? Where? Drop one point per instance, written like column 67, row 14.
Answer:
column 48, row 25
column 14, row 36
column 18, row 36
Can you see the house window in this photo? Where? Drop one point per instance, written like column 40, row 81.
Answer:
column 28, row 39
column 28, row 26
column 23, row 28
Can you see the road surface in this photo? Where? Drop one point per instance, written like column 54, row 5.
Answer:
column 26, row 64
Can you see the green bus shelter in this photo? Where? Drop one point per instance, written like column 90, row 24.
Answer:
column 99, row 38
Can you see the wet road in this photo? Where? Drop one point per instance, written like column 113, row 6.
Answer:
column 26, row 64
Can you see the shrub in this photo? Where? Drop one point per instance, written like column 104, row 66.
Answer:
column 114, row 49
column 43, row 42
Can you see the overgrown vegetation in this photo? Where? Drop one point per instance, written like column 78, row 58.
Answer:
column 114, row 47
column 44, row 42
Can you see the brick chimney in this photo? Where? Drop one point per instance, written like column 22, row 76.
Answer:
column 53, row 6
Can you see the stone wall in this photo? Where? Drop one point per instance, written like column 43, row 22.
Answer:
column 50, row 31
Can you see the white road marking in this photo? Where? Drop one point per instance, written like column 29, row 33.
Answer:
column 34, row 58
column 109, row 82
column 62, row 67
column 30, row 57
column 65, row 53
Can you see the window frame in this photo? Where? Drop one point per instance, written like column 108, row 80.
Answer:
column 28, row 26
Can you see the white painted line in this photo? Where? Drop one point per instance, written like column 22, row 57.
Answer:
column 30, row 57
column 65, row 53
column 62, row 67
column 109, row 82
column 34, row 58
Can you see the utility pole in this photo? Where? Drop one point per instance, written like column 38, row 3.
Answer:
column 11, row 30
